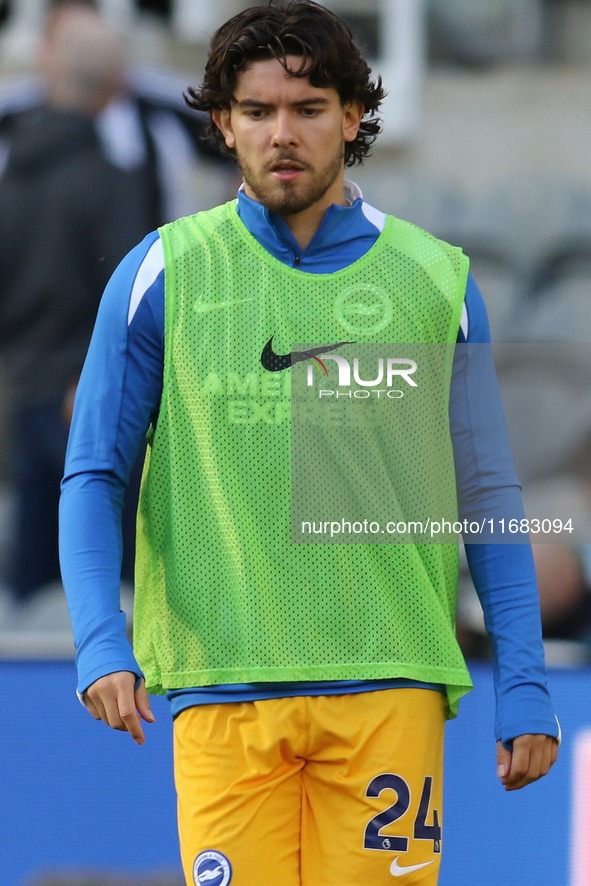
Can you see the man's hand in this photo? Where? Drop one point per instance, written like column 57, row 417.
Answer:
column 531, row 758
column 114, row 700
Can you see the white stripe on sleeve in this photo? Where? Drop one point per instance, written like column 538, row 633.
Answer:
column 464, row 321
column 148, row 271
column 375, row 216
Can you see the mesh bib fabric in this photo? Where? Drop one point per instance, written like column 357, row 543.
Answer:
column 222, row 593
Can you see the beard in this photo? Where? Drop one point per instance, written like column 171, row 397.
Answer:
column 289, row 198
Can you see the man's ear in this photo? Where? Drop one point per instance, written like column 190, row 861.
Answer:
column 222, row 119
column 352, row 116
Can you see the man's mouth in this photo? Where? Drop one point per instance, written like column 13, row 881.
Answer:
column 286, row 170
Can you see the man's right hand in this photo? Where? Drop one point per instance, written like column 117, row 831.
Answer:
column 113, row 699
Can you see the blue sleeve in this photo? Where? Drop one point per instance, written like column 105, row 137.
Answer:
column 503, row 574
column 117, row 398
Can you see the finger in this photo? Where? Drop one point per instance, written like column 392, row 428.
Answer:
column 94, row 697
column 534, row 771
column 142, row 703
column 547, row 757
column 503, row 760
column 120, row 714
column 131, row 720
column 519, row 765
column 129, row 715
column 90, row 707
column 97, row 705
column 550, row 753
column 112, row 716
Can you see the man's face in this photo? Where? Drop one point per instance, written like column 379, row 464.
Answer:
column 289, row 137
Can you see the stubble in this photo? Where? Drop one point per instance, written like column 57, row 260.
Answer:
column 289, row 198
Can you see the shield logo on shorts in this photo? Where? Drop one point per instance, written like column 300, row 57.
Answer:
column 212, row 868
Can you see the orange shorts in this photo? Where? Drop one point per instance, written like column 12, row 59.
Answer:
column 341, row 790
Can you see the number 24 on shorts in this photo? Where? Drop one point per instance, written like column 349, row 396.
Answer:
column 374, row 839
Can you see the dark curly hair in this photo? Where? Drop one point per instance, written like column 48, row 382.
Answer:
column 298, row 28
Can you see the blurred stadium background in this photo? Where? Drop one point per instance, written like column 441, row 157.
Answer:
column 486, row 143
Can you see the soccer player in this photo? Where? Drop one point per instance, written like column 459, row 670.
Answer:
column 309, row 683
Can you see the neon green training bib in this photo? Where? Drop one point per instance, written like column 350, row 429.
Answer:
column 223, row 595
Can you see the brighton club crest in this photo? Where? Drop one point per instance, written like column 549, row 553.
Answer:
column 212, row 868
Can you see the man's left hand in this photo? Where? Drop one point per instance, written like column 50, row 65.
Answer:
column 531, row 758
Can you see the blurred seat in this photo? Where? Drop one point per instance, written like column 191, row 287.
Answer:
column 431, row 204
column 559, row 303
column 547, row 398
column 521, row 235
column 478, row 32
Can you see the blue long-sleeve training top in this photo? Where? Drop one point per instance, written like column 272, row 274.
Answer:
column 118, row 398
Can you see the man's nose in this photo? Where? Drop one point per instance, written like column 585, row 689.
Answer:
column 284, row 132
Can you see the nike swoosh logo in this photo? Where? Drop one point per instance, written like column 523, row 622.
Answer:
column 277, row 362
column 398, row 871
column 203, row 308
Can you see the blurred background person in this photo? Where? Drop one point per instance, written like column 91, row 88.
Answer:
column 67, row 215
column 145, row 126
column 91, row 159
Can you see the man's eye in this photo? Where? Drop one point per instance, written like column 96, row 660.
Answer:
column 310, row 112
column 256, row 115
